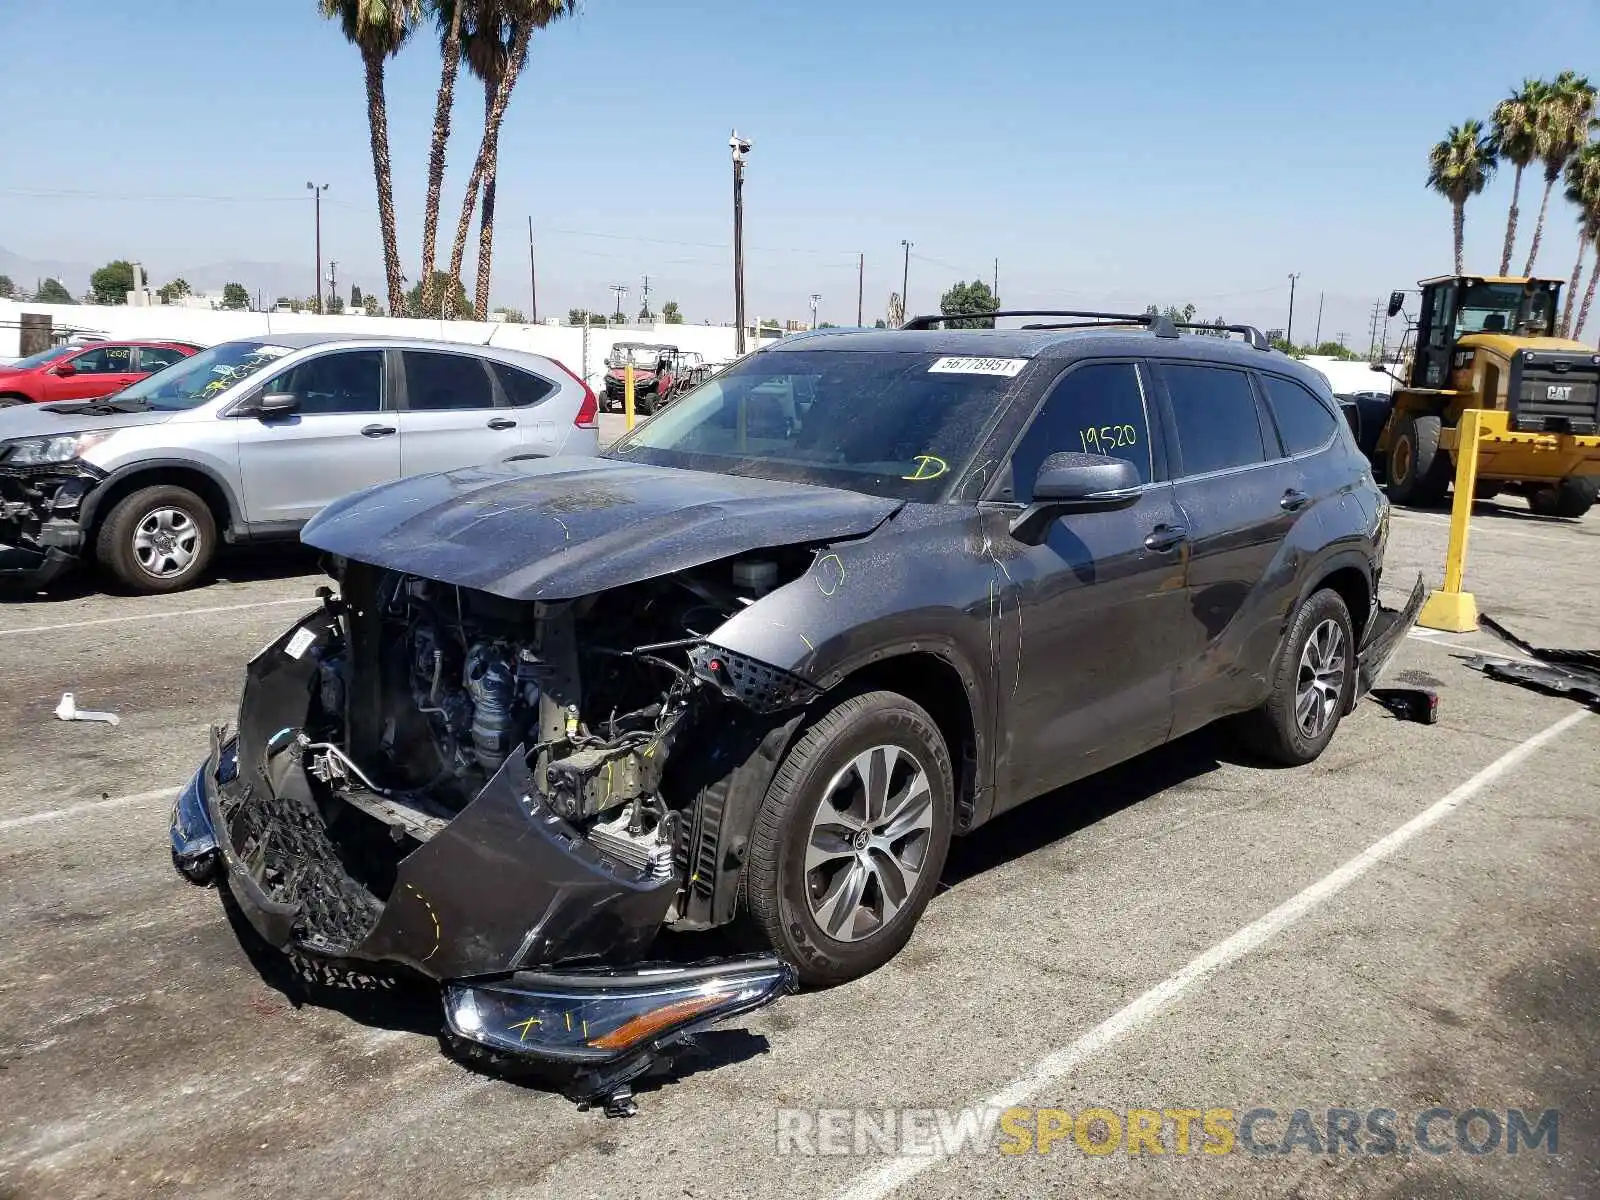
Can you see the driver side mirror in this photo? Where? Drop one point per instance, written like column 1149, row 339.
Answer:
column 276, row 404
column 1069, row 482
column 1397, row 301
column 65, row 371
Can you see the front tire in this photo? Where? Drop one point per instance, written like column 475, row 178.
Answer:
column 1418, row 473
column 1572, row 497
column 1311, row 685
column 158, row 539
column 849, row 843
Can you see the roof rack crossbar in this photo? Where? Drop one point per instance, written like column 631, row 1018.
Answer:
column 1159, row 323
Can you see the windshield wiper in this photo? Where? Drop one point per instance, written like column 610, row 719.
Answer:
column 118, row 406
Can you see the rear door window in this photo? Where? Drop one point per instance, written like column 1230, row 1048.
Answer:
column 1215, row 417
column 1304, row 422
column 153, row 358
column 1098, row 408
column 440, row 382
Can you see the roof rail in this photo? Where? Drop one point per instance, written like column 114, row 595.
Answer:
column 1159, row 323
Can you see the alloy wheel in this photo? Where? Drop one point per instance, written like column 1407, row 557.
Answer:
column 1319, row 685
column 868, row 842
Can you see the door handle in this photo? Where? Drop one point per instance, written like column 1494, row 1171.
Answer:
column 377, row 431
column 1166, row 537
column 502, row 423
column 1294, row 501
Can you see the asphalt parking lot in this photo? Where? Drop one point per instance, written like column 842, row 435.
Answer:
column 1189, row 931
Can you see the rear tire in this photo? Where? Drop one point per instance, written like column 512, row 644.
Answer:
column 1418, row 472
column 1311, row 685
column 11, row 398
column 838, row 893
column 158, row 539
column 1572, row 497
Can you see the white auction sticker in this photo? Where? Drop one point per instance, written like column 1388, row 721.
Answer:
column 299, row 643
column 1008, row 367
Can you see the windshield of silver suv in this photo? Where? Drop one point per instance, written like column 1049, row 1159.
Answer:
column 191, row 382
column 898, row 423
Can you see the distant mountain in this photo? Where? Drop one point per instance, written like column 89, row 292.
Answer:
column 27, row 272
column 270, row 279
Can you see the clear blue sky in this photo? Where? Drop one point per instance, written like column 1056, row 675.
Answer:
column 1105, row 154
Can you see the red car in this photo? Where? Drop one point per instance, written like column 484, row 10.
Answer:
column 85, row 372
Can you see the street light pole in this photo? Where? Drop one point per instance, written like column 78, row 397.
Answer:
column 740, row 147
column 816, row 299
column 316, row 196
column 905, row 284
column 1289, row 333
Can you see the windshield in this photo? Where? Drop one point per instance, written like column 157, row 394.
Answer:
column 1506, row 308
column 898, row 423
column 191, row 382
column 640, row 356
column 39, row 359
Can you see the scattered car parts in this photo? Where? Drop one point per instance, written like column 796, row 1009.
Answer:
column 1574, row 673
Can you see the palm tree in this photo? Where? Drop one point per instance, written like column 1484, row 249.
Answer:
column 1565, row 115
column 447, row 15
column 1458, row 168
column 494, row 42
column 1583, row 190
column 378, row 28
column 1515, row 131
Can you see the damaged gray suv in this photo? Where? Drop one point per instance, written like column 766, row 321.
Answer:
column 761, row 661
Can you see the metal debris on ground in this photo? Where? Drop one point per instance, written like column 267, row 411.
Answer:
column 68, row 710
column 1573, row 673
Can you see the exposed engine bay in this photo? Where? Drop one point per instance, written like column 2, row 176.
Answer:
column 435, row 687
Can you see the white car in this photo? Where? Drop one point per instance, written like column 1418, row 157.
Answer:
column 247, row 441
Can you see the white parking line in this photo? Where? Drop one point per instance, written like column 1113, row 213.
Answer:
column 1435, row 637
column 881, row 1181
column 1489, row 525
column 307, row 602
column 88, row 806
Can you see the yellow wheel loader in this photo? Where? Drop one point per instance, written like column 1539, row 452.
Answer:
column 1489, row 342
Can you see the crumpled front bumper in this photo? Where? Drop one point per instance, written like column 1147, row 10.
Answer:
column 40, row 532
column 539, row 938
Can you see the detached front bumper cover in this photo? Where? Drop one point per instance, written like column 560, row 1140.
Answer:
column 1387, row 629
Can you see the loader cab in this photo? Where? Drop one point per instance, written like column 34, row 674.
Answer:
column 1454, row 306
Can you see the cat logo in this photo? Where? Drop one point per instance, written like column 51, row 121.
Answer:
column 1558, row 392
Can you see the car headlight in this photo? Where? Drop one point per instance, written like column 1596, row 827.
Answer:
column 62, row 447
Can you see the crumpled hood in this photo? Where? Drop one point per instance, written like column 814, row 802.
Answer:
column 560, row 528
column 32, row 420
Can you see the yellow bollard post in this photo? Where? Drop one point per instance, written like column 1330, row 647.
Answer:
column 1451, row 608
column 627, row 395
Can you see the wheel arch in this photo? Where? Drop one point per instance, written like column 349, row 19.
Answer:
column 176, row 473
column 1350, row 576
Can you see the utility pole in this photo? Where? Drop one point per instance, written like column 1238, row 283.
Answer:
column 316, row 196
column 1288, row 335
column 816, row 299
column 619, row 290
column 333, row 282
column 905, row 283
column 645, row 308
column 1344, row 338
column 533, row 277
column 740, row 147
column 1316, row 338
column 1372, row 346
column 861, row 285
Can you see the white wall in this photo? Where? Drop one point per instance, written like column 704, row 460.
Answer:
column 581, row 351
column 1350, row 376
